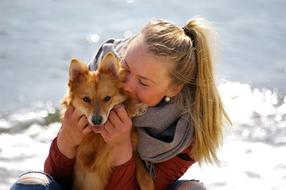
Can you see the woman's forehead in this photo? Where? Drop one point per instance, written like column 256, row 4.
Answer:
column 144, row 63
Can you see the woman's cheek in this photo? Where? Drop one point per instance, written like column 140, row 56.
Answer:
column 142, row 96
column 146, row 98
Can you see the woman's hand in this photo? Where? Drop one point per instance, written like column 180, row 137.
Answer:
column 74, row 128
column 116, row 132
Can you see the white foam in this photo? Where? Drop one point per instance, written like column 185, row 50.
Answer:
column 252, row 156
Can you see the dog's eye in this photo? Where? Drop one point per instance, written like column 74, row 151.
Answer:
column 106, row 98
column 86, row 99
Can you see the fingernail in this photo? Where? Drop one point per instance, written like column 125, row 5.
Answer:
column 118, row 106
column 71, row 108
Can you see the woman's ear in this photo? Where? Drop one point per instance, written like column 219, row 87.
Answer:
column 174, row 90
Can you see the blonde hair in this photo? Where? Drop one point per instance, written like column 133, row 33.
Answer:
column 189, row 49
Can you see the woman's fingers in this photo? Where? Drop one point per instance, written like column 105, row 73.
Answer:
column 109, row 128
column 77, row 114
column 69, row 110
column 78, row 118
column 116, row 130
column 122, row 114
column 82, row 123
column 114, row 119
column 86, row 130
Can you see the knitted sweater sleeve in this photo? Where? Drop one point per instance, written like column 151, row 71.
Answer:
column 59, row 166
column 61, row 169
column 123, row 176
column 168, row 172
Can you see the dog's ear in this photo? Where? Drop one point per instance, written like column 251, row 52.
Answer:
column 77, row 70
column 109, row 64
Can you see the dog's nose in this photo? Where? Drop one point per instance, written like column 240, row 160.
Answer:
column 96, row 119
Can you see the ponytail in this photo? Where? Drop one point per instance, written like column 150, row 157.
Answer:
column 207, row 110
column 189, row 50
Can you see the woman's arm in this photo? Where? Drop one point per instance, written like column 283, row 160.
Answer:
column 59, row 166
column 61, row 169
column 170, row 171
column 166, row 173
column 74, row 128
column 117, row 134
column 61, row 159
column 123, row 177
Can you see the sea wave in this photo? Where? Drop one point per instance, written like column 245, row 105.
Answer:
column 257, row 114
column 42, row 114
column 258, row 117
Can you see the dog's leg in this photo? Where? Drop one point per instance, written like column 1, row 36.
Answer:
column 87, row 151
column 102, row 164
column 93, row 164
column 84, row 159
column 144, row 180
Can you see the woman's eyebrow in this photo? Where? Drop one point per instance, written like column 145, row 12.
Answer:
column 140, row 76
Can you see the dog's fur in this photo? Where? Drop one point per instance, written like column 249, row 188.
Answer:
column 94, row 94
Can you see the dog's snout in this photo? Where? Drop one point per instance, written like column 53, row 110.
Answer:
column 97, row 119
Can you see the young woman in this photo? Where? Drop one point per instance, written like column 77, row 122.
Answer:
column 170, row 69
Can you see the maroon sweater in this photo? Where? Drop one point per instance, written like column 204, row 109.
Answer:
column 123, row 177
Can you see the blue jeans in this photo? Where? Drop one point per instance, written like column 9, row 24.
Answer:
column 188, row 185
column 42, row 181
column 35, row 181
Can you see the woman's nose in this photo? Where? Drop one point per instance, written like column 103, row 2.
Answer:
column 128, row 85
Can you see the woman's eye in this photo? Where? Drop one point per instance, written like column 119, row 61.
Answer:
column 106, row 98
column 142, row 83
column 86, row 99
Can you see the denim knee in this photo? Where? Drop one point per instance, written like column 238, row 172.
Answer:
column 35, row 181
column 187, row 185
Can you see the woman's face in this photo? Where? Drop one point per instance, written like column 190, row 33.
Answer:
column 147, row 78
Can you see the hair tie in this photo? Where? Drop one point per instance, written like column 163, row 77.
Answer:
column 190, row 33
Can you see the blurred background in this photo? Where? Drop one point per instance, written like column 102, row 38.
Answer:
column 38, row 38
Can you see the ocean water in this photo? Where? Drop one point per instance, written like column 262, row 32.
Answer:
column 38, row 39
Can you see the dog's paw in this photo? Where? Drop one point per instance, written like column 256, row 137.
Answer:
column 140, row 109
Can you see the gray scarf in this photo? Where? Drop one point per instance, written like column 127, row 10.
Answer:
column 163, row 132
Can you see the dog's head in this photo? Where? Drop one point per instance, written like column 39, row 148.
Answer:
column 95, row 93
